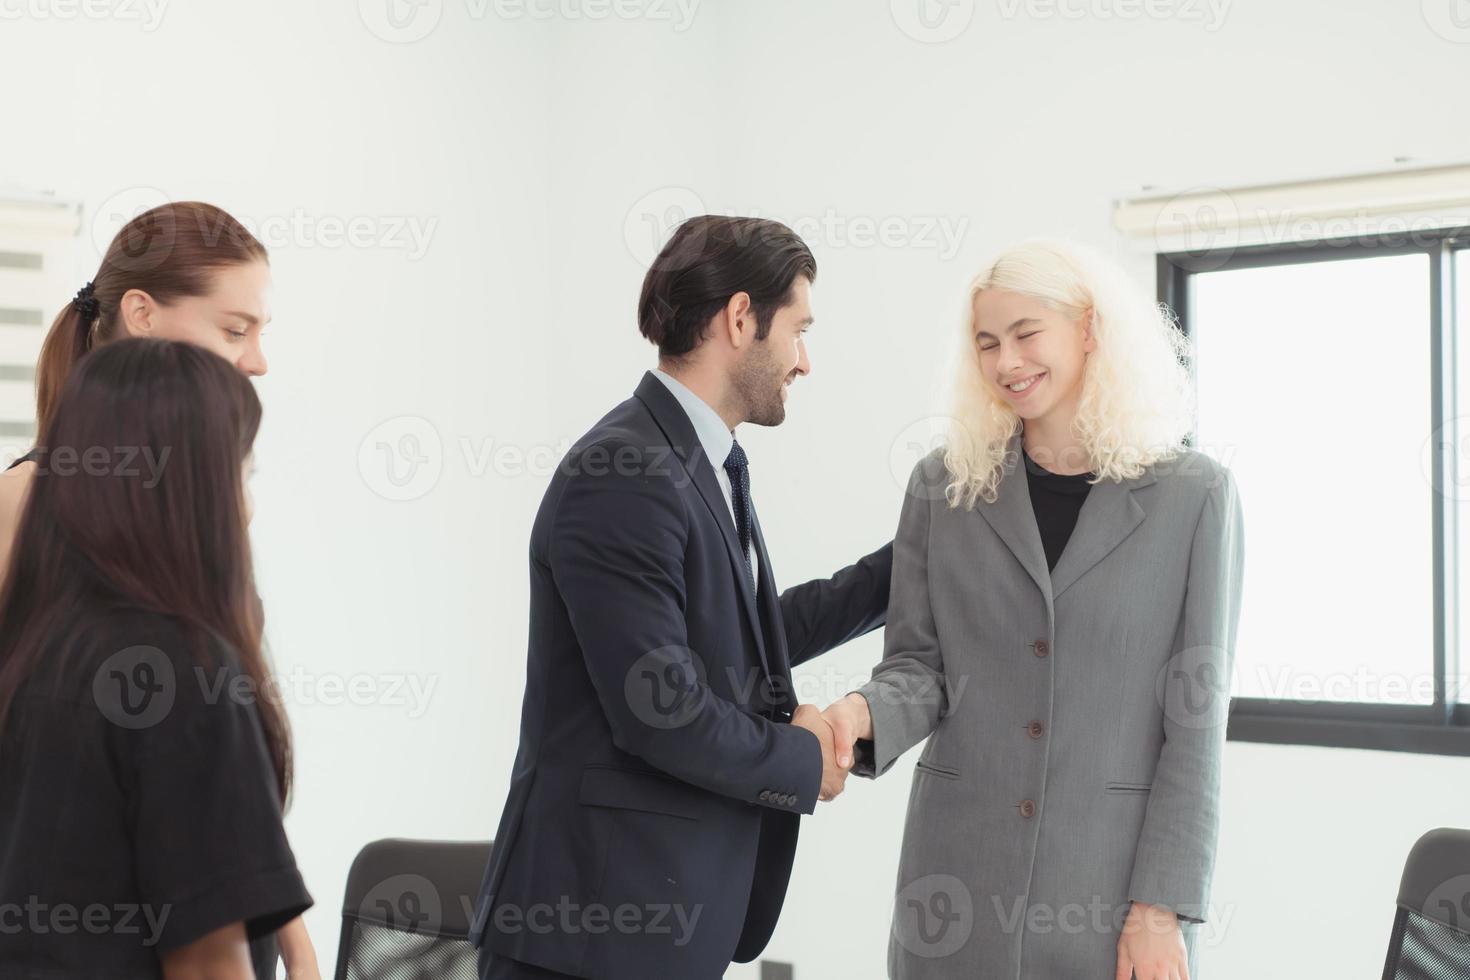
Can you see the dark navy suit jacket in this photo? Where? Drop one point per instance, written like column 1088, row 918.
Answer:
column 653, row 809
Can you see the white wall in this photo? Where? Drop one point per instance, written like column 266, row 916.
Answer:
column 547, row 153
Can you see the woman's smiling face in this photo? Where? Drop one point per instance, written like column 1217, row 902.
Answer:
column 1030, row 355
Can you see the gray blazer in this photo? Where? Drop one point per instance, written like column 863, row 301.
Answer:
column 1077, row 718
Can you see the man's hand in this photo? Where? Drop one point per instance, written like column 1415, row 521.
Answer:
column 850, row 721
column 833, row 776
column 1152, row 945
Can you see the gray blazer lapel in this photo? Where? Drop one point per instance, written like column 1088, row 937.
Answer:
column 1109, row 514
column 1013, row 519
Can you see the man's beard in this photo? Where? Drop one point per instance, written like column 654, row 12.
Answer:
column 759, row 381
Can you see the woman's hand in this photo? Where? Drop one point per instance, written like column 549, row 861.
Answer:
column 850, row 721
column 297, row 951
column 1152, row 945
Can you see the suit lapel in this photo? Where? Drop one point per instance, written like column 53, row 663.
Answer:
column 674, row 422
column 1109, row 514
column 1015, row 522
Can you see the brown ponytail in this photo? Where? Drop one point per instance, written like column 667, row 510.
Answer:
column 169, row 252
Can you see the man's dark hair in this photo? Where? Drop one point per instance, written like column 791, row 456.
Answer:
column 709, row 259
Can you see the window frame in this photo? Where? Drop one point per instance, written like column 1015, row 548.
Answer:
column 1439, row 728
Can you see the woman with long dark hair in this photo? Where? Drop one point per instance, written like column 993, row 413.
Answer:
column 187, row 271
column 144, row 754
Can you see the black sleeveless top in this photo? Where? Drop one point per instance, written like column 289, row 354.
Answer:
column 1056, row 499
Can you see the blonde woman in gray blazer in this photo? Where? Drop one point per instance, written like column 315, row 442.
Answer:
column 1063, row 814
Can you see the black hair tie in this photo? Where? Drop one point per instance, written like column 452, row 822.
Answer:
column 86, row 303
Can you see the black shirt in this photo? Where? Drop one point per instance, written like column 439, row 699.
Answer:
column 138, row 805
column 1056, row 499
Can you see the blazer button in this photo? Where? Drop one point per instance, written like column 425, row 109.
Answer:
column 1028, row 808
column 765, row 796
column 1035, row 729
column 1040, row 647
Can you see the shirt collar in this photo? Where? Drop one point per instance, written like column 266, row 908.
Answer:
column 714, row 437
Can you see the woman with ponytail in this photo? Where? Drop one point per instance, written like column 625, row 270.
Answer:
column 183, row 271
column 144, row 753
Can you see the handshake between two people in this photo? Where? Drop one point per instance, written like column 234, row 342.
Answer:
column 838, row 729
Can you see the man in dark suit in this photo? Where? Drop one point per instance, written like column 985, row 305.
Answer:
column 664, row 762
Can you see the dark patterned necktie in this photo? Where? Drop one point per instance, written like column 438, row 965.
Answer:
column 736, row 466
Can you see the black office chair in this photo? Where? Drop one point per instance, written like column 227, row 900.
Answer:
column 407, row 911
column 1431, row 930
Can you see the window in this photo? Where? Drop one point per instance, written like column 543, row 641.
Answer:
column 37, row 236
column 1328, row 380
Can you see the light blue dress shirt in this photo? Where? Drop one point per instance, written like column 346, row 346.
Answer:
column 716, row 441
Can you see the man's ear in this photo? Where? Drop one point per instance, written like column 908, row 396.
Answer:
column 739, row 320
column 138, row 313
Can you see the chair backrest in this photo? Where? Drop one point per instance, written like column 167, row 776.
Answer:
column 406, row 914
column 1431, row 929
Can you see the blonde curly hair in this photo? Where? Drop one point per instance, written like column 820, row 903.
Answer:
column 1137, row 402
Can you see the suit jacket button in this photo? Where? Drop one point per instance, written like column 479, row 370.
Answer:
column 788, row 799
column 1040, row 647
column 1035, row 729
column 1028, row 808
column 765, row 796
